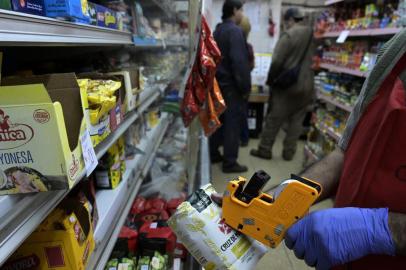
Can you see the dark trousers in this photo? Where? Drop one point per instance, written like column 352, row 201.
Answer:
column 245, row 132
column 228, row 134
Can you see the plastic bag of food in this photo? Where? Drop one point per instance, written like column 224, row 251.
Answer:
column 208, row 117
column 218, row 100
column 199, row 226
column 210, row 42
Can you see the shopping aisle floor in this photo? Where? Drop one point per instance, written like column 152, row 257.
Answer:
column 281, row 257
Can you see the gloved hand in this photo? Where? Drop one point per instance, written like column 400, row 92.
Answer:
column 337, row 236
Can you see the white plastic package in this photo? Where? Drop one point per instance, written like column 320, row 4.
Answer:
column 199, row 226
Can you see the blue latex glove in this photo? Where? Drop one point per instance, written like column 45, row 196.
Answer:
column 340, row 235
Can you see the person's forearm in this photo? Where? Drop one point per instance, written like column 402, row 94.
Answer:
column 327, row 172
column 397, row 226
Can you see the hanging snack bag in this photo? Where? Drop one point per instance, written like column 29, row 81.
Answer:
column 189, row 108
column 199, row 226
column 211, row 44
column 208, row 117
column 218, row 100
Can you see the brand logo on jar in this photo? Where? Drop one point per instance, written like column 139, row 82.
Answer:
column 224, row 228
column 41, row 116
column 29, row 262
column 13, row 135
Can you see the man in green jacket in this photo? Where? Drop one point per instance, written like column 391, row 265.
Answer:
column 290, row 105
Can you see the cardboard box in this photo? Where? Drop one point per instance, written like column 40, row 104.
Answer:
column 41, row 120
column 131, row 78
column 76, row 10
column 105, row 17
column 35, row 7
column 64, row 241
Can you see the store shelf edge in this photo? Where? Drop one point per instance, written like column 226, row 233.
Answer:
column 364, row 32
column 338, row 69
column 101, row 254
column 24, row 29
column 34, row 208
column 334, row 102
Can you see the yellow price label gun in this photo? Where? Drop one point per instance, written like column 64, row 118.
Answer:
column 262, row 216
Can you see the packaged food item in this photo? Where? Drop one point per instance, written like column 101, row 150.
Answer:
column 138, row 205
column 208, row 117
column 207, row 66
column 73, row 10
column 63, row 241
column 51, row 113
column 35, row 7
column 158, row 262
column 108, row 173
column 156, row 236
column 112, row 264
column 199, row 226
column 5, row 4
column 126, row 244
column 106, row 17
column 143, row 263
column 211, row 44
column 189, row 107
column 217, row 97
column 126, row 264
column 155, row 204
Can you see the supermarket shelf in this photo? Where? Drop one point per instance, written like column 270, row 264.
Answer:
column 335, row 102
column 338, row 69
column 114, row 205
column 20, row 215
column 24, row 29
column 329, row 131
column 365, row 32
column 332, row 2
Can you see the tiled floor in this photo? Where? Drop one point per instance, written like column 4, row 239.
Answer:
column 281, row 257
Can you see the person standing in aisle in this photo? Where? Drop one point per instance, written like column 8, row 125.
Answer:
column 234, row 79
column 291, row 81
column 246, row 28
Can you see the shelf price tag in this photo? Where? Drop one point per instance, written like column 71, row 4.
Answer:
column 89, row 155
column 343, row 36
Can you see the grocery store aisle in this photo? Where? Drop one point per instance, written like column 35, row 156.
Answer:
column 281, row 257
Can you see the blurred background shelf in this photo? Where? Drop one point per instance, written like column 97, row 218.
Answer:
column 338, row 69
column 335, row 102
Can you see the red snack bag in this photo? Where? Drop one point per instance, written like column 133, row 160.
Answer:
column 174, row 203
column 207, row 66
column 208, row 117
column 211, row 44
column 155, row 205
column 198, row 85
column 189, row 107
column 157, row 236
column 138, row 205
column 127, row 239
column 218, row 100
column 150, row 216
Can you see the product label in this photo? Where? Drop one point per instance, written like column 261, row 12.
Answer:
column 89, row 155
column 200, row 200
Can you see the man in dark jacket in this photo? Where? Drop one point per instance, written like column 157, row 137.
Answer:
column 289, row 104
column 234, row 79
